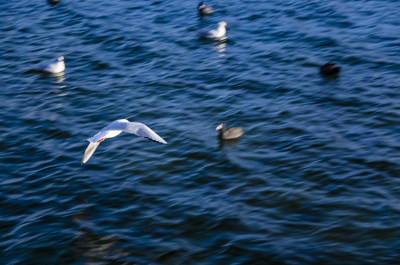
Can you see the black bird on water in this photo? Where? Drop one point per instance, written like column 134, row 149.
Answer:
column 205, row 10
column 54, row 2
column 330, row 70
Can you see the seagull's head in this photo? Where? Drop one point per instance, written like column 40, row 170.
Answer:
column 201, row 5
column 60, row 59
column 220, row 127
column 222, row 24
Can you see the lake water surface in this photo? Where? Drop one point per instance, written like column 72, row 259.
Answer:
column 315, row 179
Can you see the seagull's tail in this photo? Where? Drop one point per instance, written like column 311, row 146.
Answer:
column 89, row 151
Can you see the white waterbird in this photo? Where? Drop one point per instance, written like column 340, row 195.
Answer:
column 218, row 33
column 114, row 129
column 52, row 66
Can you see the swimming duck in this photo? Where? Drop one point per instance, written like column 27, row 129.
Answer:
column 228, row 134
column 329, row 70
column 205, row 10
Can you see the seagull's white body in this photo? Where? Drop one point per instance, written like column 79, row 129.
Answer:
column 215, row 33
column 114, row 129
column 52, row 67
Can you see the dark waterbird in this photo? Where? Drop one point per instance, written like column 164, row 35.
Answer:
column 204, row 10
column 54, row 2
column 330, row 70
column 229, row 134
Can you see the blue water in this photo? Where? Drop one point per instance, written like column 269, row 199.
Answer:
column 314, row 180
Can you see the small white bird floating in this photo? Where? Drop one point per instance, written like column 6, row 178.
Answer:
column 51, row 66
column 114, row 129
column 218, row 33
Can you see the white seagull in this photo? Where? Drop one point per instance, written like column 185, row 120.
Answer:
column 114, row 129
column 51, row 66
column 218, row 33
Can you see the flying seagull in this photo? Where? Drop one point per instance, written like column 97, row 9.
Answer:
column 114, row 129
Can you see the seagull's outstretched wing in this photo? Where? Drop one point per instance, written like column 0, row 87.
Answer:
column 89, row 151
column 143, row 131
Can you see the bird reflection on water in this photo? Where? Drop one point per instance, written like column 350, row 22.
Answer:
column 231, row 143
column 96, row 248
column 220, row 46
column 59, row 77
